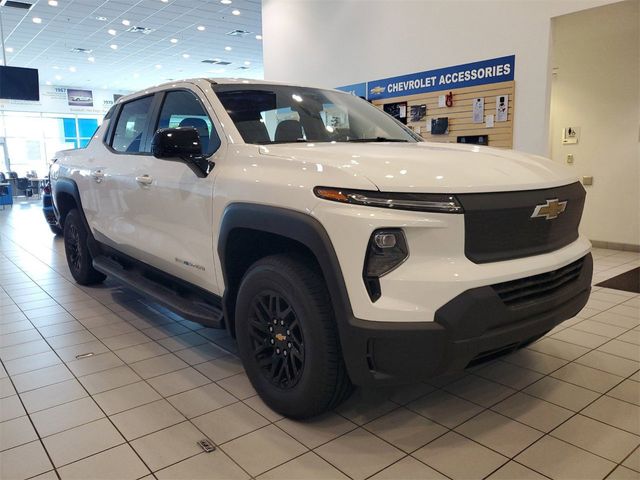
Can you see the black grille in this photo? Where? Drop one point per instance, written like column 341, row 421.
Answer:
column 498, row 226
column 518, row 293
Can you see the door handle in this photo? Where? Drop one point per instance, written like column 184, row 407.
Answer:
column 98, row 175
column 144, row 180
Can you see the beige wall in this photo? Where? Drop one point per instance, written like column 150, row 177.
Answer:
column 596, row 86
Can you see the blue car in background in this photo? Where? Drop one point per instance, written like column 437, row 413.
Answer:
column 47, row 209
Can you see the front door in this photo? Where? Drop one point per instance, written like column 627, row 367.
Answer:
column 174, row 207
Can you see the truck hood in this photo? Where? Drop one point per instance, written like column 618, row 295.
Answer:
column 429, row 167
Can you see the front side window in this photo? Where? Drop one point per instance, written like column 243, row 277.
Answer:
column 265, row 114
column 128, row 136
column 184, row 109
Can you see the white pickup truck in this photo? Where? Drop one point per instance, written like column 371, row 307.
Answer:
column 334, row 244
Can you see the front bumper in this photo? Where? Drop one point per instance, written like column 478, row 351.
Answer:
column 477, row 325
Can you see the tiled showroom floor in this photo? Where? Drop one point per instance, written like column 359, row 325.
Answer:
column 566, row 407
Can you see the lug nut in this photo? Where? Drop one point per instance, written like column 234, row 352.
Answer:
column 272, row 341
column 288, row 332
column 275, row 321
column 282, row 322
column 271, row 329
column 277, row 350
column 285, row 353
column 289, row 344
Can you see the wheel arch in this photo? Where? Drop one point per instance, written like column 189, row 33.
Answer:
column 66, row 196
column 249, row 232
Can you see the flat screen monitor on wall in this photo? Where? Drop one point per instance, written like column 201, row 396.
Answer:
column 19, row 83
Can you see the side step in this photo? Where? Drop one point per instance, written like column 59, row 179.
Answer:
column 189, row 307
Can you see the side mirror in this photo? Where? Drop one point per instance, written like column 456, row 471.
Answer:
column 183, row 145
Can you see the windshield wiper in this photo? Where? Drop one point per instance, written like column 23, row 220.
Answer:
column 377, row 139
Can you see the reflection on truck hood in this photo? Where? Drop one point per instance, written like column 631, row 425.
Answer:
column 431, row 167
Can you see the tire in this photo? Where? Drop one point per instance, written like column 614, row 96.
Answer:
column 79, row 258
column 56, row 230
column 295, row 378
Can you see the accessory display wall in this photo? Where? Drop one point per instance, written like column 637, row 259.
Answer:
column 461, row 113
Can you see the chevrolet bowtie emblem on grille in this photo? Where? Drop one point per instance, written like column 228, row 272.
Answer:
column 280, row 337
column 550, row 210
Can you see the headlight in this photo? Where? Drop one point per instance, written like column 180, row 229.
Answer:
column 386, row 251
column 423, row 202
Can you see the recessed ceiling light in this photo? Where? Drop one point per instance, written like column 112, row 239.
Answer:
column 202, row 28
column 164, row 1
column 53, row 3
column 58, row 77
column 113, row 46
column 247, row 63
column 225, row 2
column 91, row 59
column 158, row 67
column 228, row 49
column 102, row 19
column 126, row 23
column 185, row 55
column 258, row 37
column 236, row 12
column 111, row 31
column 174, row 40
column 72, row 69
column 9, row 49
column 36, row 20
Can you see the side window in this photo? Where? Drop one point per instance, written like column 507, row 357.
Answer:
column 184, row 109
column 129, row 131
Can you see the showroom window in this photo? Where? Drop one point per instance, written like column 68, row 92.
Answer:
column 184, row 109
column 132, row 122
column 32, row 139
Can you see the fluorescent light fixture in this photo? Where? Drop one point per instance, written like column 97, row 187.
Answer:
column 225, row 2
column 236, row 12
column 36, row 20
column 53, row 3
column 228, row 49
column 126, row 23
column 202, row 28
column 174, row 40
column 113, row 46
column 111, row 31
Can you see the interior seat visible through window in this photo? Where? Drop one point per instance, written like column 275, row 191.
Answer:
column 289, row 131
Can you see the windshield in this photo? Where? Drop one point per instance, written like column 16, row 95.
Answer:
column 266, row 114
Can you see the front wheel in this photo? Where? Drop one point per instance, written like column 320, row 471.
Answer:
column 287, row 337
column 79, row 258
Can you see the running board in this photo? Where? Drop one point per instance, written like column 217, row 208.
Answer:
column 189, row 307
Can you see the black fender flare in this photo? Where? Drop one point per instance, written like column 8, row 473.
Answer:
column 293, row 225
column 70, row 187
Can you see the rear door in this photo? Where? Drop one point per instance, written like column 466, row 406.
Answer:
column 113, row 175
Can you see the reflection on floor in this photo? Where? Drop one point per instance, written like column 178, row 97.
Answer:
column 96, row 380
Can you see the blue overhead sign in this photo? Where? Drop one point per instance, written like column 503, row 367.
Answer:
column 357, row 89
column 477, row 73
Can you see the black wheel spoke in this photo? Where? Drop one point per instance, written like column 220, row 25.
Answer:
column 276, row 339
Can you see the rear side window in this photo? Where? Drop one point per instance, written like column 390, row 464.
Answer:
column 128, row 136
column 184, row 109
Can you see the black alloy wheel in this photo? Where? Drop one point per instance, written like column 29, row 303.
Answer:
column 277, row 340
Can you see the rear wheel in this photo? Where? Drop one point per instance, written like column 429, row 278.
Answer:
column 79, row 258
column 288, row 339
